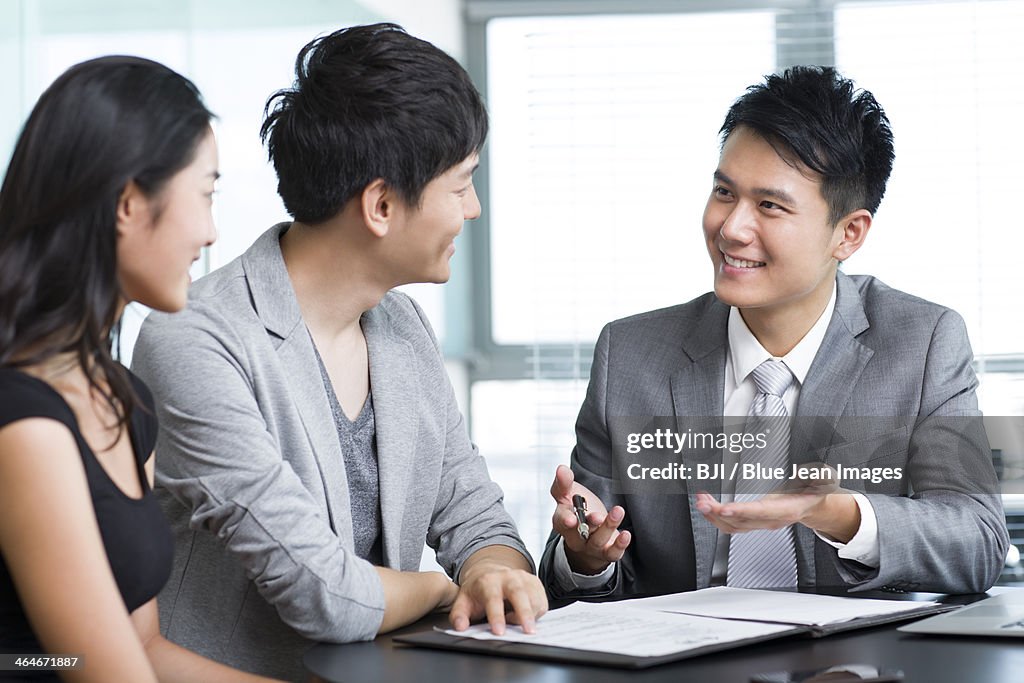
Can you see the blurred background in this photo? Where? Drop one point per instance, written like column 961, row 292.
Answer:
column 604, row 136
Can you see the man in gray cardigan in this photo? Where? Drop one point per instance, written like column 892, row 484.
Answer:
column 873, row 379
column 310, row 441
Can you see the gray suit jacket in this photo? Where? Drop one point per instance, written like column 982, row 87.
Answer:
column 251, row 475
column 902, row 361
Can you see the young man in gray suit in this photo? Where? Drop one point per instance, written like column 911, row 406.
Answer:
column 866, row 375
column 310, row 441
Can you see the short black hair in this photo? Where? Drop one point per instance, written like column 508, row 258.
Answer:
column 831, row 127
column 369, row 102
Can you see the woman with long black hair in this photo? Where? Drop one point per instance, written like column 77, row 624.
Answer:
column 106, row 201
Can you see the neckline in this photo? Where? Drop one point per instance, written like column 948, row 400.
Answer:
column 140, row 471
column 332, row 396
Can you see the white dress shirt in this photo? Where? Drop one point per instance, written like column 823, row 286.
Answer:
column 745, row 354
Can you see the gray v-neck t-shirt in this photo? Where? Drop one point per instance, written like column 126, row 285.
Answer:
column 358, row 439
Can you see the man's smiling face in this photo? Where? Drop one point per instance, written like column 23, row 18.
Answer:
column 767, row 229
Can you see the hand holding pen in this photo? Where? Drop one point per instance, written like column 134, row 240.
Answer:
column 579, row 506
column 591, row 534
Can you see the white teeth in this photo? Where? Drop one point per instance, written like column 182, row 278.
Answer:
column 737, row 263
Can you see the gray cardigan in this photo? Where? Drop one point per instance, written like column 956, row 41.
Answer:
column 251, row 474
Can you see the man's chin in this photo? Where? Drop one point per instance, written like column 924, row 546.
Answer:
column 440, row 278
column 726, row 296
column 730, row 297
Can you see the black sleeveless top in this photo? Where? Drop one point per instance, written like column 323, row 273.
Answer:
column 135, row 534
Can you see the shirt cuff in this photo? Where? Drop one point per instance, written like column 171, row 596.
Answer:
column 568, row 580
column 863, row 547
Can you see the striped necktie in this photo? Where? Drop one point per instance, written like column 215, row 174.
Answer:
column 765, row 558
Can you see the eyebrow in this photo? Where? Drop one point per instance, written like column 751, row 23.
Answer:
column 773, row 193
column 466, row 174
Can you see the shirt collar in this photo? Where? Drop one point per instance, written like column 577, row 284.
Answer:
column 746, row 353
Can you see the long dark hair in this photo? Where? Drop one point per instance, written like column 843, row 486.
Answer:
column 101, row 124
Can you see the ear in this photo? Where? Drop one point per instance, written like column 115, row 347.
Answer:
column 853, row 230
column 378, row 207
column 132, row 209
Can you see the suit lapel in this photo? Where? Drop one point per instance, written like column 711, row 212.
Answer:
column 395, row 398
column 697, row 392
column 840, row 359
column 831, row 379
column 306, row 386
column 278, row 310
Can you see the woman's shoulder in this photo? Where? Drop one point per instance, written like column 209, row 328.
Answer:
column 23, row 396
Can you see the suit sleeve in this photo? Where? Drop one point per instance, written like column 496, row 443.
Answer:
column 468, row 513
column 592, row 466
column 949, row 535
column 216, row 455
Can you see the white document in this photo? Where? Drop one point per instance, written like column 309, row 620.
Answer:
column 724, row 602
column 621, row 629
